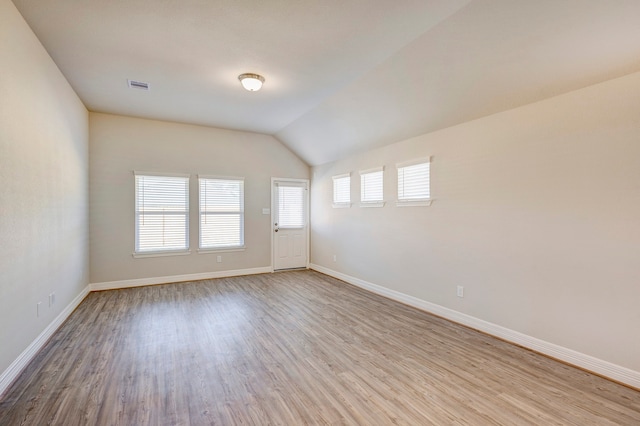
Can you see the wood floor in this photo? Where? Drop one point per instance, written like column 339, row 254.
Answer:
column 292, row 348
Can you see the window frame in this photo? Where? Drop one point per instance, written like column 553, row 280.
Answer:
column 222, row 249
column 341, row 204
column 371, row 203
column 420, row 201
column 137, row 253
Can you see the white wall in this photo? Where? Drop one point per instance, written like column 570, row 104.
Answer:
column 44, row 191
column 120, row 145
column 536, row 214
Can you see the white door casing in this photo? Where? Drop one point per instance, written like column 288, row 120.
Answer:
column 290, row 223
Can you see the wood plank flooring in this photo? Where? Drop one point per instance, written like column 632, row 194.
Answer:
column 292, row 348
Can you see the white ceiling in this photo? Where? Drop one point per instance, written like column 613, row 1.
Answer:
column 341, row 76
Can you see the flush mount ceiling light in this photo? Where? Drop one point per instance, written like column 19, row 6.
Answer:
column 251, row 82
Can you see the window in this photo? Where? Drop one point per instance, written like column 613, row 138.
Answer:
column 371, row 187
column 342, row 190
column 413, row 183
column 221, row 213
column 162, row 213
column 291, row 207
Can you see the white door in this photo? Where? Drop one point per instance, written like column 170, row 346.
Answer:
column 290, row 203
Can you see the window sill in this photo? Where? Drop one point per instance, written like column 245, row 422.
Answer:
column 414, row 203
column 372, row 204
column 161, row 254
column 341, row 205
column 221, row 250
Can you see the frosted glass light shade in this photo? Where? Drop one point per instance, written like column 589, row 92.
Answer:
column 251, row 82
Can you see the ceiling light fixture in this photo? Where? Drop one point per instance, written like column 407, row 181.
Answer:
column 251, row 82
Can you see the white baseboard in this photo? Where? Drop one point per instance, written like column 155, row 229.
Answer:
column 112, row 285
column 16, row 367
column 586, row 362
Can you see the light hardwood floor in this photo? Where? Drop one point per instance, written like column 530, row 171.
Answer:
column 292, row 348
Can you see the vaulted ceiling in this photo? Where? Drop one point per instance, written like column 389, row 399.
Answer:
column 341, row 76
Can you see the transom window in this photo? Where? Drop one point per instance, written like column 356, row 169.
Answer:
column 414, row 182
column 371, row 187
column 342, row 190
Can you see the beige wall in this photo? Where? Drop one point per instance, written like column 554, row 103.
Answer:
column 43, row 195
column 120, row 145
column 536, row 214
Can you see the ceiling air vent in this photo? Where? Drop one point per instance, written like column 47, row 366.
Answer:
column 138, row 85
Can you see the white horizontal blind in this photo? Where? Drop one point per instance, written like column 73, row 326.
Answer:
column 291, row 206
column 413, row 182
column 221, row 213
column 342, row 189
column 162, row 213
column 371, row 184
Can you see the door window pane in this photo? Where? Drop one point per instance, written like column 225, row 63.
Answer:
column 291, row 206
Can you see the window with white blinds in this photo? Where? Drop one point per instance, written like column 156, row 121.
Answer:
column 221, row 213
column 162, row 213
column 291, row 206
column 413, row 182
column 342, row 190
column 371, row 186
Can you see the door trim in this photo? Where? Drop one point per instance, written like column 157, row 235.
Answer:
column 272, row 218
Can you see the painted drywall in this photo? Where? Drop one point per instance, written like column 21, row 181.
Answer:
column 44, row 193
column 119, row 145
column 536, row 214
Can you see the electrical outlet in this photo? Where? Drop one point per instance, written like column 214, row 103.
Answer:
column 38, row 309
column 219, row 259
column 334, row 258
column 460, row 291
column 52, row 299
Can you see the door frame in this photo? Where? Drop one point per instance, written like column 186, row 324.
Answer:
column 272, row 216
